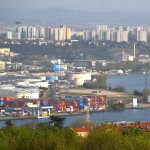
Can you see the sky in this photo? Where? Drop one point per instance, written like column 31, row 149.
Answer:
column 85, row 5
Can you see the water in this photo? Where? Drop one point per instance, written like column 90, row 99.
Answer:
column 127, row 115
column 130, row 82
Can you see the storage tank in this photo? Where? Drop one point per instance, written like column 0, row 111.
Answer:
column 85, row 76
column 79, row 81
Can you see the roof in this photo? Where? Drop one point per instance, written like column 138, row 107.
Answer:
column 82, row 129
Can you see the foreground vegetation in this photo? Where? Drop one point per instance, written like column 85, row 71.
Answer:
column 104, row 137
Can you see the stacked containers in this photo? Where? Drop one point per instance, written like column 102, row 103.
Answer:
column 43, row 102
column 52, row 78
column 80, row 103
column 2, row 102
column 54, row 67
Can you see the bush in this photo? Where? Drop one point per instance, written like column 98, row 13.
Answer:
column 119, row 89
column 96, row 83
column 103, row 137
column 137, row 93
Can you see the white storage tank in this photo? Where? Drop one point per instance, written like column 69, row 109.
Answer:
column 85, row 76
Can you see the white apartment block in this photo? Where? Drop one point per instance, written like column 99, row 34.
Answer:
column 13, row 35
column 87, row 35
column 141, row 36
column 39, row 32
column 101, row 28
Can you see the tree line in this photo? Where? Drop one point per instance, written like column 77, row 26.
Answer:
column 46, row 137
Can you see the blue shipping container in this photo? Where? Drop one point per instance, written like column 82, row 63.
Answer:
column 54, row 67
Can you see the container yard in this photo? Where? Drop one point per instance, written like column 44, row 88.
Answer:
column 23, row 107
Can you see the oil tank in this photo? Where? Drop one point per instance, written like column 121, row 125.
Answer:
column 85, row 76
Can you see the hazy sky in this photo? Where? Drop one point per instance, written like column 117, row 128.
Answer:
column 90, row 5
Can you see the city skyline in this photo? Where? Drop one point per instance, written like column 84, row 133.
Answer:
column 63, row 33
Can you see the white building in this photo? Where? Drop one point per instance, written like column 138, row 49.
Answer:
column 11, row 35
column 28, row 93
column 124, row 36
column 101, row 28
column 87, row 35
column 141, row 36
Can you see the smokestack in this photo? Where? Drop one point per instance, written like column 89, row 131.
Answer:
column 134, row 52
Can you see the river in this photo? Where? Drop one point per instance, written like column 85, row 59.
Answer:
column 127, row 115
column 130, row 82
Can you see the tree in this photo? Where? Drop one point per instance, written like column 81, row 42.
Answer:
column 146, row 92
column 57, row 121
column 8, row 123
column 97, row 82
column 119, row 89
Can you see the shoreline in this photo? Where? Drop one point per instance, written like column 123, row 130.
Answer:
column 66, row 114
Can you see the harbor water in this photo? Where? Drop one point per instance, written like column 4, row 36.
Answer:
column 134, row 115
column 130, row 82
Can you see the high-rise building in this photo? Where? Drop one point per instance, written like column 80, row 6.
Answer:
column 13, row 35
column 101, row 28
column 108, row 36
column 124, row 36
column 52, row 34
column 113, row 36
column 118, row 36
column 46, row 33
column 61, row 34
column 141, row 36
column 87, row 35
column 56, row 34
column 68, row 34
column 93, row 34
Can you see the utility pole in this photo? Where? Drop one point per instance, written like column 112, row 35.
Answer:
column 134, row 52
column 146, row 80
column 88, row 116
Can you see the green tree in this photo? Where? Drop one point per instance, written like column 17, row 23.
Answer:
column 8, row 123
column 57, row 121
column 146, row 92
column 97, row 82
